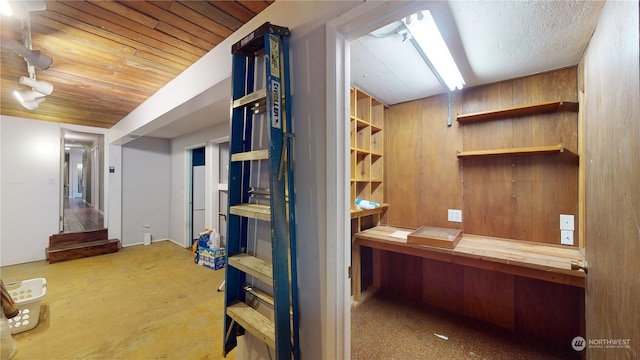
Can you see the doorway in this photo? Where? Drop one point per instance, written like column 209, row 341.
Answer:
column 197, row 193
column 206, row 184
column 82, row 186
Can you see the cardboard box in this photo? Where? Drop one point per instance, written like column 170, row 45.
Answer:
column 212, row 258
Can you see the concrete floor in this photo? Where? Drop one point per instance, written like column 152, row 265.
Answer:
column 144, row 302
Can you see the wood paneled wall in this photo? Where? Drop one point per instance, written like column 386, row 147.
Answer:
column 422, row 179
column 540, row 309
column 511, row 197
column 516, row 197
column 612, row 184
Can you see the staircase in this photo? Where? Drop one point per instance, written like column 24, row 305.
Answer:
column 77, row 245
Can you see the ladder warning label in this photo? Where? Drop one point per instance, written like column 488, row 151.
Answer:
column 274, row 51
column 275, row 104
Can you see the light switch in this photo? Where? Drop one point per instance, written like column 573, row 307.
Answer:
column 566, row 237
column 566, row 222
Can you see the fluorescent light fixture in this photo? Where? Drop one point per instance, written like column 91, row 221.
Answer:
column 428, row 40
column 33, row 57
column 42, row 87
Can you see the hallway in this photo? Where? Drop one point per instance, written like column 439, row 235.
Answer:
column 80, row 216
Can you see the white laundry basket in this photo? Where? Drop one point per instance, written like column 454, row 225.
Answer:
column 27, row 295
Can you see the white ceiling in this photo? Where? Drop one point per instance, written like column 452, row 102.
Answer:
column 489, row 40
column 79, row 139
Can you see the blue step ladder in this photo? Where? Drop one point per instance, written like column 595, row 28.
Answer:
column 261, row 292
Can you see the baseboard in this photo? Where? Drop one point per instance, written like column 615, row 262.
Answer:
column 152, row 241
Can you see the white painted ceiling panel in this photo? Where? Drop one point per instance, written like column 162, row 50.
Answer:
column 508, row 39
column 490, row 41
column 398, row 77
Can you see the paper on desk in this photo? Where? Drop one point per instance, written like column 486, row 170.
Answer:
column 400, row 234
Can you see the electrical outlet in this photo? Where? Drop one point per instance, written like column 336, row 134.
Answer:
column 566, row 222
column 566, row 237
column 454, row 215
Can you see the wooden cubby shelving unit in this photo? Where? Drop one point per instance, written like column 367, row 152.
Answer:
column 367, row 147
column 515, row 112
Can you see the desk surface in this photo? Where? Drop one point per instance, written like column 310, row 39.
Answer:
column 524, row 258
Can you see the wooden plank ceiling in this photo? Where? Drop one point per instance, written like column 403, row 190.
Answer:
column 110, row 56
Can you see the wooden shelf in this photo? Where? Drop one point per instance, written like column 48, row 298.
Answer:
column 517, row 111
column 361, row 213
column 535, row 150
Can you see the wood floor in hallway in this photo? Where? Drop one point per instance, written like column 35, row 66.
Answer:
column 80, row 216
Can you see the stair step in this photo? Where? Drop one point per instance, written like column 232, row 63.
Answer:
column 254, row 211
column 77, row 251
column 253, row 266
column 77, row 237
column 254, row 322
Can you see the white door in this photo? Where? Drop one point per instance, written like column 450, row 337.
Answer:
column 223, row 178
column 198, row 189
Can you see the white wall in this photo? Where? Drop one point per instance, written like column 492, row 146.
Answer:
column 114, row 195
column 146, row 188
column 29, row 188
column 179, row 220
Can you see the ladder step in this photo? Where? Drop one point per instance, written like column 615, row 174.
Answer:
column 253, row 266
column 257, row 98
column 261, row 295
column 254, row 322
column 251, row 155
column 264, row 297
column 254, row 211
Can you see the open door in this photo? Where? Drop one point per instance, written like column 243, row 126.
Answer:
column 63, row 183
column 223, row 178
column 197, row 193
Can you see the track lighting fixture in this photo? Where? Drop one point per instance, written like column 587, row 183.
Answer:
column 29, row 99
column 42, row 87
column 5, row 8
column 21, row 9
column 33, row 57
column 32, row 105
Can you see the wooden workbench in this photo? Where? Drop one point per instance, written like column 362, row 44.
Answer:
column 522, row 258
